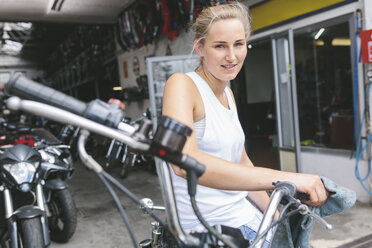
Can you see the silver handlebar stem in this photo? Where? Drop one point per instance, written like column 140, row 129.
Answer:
column 269, row 214
column 84, row 156
column 166, row 187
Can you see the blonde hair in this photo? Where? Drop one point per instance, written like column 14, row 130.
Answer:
column 210, row 15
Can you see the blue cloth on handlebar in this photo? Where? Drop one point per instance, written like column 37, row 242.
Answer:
column 295, row 231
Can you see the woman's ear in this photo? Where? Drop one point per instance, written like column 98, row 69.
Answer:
column 198, row 48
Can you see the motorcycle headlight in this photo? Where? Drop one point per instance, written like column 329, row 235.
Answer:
column 22, row 172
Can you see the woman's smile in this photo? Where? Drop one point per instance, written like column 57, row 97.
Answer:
column 229, row 67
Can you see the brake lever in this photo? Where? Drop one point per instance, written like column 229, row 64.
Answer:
column 304, row 210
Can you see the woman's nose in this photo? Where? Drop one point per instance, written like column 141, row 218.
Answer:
column 230, row 56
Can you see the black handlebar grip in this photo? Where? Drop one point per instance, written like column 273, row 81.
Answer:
column 302, row 196
column 97, row 110
column 289, row 187
column 189, row 163
column 28, row 89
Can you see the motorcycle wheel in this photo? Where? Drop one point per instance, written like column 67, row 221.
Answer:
column 31, row 233
column 151, row 166
column 129, row 162
column 62, row 222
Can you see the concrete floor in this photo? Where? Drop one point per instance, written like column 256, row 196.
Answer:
column 100, row 224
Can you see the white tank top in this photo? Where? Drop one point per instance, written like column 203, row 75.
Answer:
column 219, row 134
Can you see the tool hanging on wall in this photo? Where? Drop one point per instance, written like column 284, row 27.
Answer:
column 144, row 20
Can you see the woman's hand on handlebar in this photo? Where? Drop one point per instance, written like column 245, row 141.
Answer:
column 313, row 186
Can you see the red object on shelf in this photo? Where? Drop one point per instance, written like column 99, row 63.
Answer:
column 366, row 44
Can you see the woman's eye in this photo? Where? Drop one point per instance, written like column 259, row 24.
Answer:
column 219, row 46
column 239, row 44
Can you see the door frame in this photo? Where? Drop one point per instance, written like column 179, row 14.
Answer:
column 296, row 146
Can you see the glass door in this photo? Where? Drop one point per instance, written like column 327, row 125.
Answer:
column 254, row 92
column 286, row 102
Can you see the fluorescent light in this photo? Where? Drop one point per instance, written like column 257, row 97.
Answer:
column 319, row 42
column 12, row 47
column 6, row 35
column 16, row 45
column 7, row 27
column 25, row 25
column 117, row 88
column 54, row 5
column 319, row 33
column 341, row 42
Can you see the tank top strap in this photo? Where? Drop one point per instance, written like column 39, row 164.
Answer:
column 205, row 91
column 230, row 100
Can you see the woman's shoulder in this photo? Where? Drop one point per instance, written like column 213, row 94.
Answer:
column 180, row 86
column 180, row 97
column 180, row 80
column 179, row 76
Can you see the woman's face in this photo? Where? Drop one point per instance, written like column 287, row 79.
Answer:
column 224, row 49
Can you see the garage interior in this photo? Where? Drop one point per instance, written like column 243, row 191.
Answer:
column 73, row 46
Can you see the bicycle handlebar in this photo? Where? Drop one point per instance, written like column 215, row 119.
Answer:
column 50, row 112
column 66, row 117
column 97, row 110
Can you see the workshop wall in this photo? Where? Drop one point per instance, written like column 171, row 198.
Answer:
column 10, row 65
column 132, row 64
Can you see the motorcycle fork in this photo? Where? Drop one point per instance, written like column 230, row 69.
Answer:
column 134, row 159
column 125, row 154
column 12, row 224
column 41, row 203
column 110, row 148
column 118, row 151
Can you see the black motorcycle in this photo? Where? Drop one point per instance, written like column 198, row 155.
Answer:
column 22, row 210
column 56, row 168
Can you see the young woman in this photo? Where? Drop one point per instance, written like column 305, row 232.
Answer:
column 202, row 100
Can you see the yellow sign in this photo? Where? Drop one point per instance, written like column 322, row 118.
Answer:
column 275, row 11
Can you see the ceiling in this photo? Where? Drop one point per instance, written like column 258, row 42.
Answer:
column 51, row 21
column 72, row 11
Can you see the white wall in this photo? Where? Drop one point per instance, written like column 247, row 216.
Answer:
column 337, row 167
column 180, row 45
column 7, row 60
column 368, row 13
column 12, row 65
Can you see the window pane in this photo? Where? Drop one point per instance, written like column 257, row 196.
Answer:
column 324, row 87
